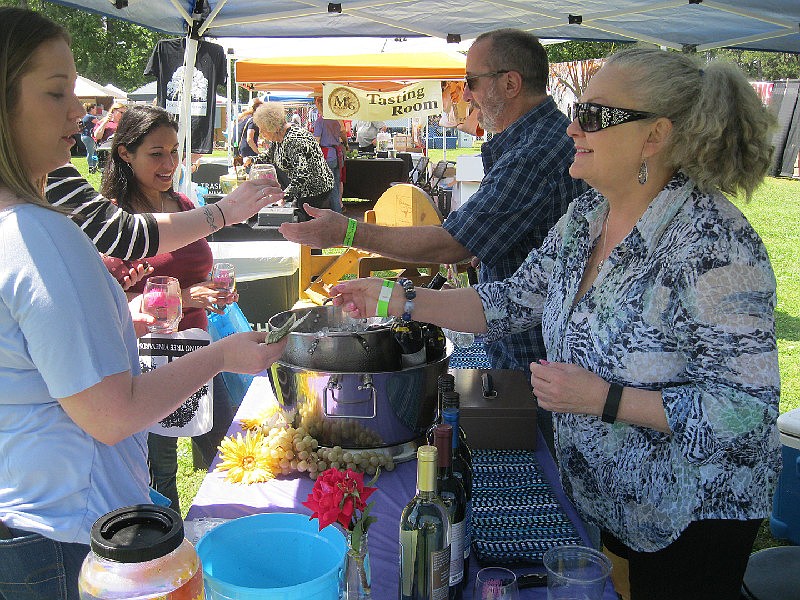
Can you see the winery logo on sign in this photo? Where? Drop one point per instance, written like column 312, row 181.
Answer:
column 343, row 102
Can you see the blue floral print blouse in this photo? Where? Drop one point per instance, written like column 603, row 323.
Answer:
column 683, row 305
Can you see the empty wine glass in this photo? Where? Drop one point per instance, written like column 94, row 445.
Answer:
column 223, row 274
column 162, row 301
column 495, row 583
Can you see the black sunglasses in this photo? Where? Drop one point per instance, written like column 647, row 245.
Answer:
column 594, row 117
column 471, row 79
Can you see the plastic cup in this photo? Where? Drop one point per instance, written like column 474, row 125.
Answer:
column 576, row 573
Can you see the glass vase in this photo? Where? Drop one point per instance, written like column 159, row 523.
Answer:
column 356, row 584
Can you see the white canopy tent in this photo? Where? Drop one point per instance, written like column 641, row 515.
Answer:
column 691, row 25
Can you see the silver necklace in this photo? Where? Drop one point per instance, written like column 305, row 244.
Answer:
column 604, row 233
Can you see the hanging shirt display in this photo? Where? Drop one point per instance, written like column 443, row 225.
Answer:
column 166, row 64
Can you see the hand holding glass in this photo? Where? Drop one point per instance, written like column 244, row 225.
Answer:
column 495, row 583
column 162, row 301
column 223, row 274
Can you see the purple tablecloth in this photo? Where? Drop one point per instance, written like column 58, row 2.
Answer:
column 219, row 499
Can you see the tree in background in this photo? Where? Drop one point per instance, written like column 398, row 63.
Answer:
column 763, row 66
column 106, row 50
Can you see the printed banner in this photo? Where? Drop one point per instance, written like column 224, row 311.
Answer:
column 416, row 100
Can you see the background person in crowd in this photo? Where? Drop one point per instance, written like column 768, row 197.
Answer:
column 138, row 176
column 525, row 189
column 367, row 134
column 72, row 401
column 88, row 122
column 296, row 153
column 657, row 300
column 332, row 137
column 249, row 133
column 107, row 126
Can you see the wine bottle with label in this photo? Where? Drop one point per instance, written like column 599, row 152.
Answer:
column 462, row 467
column 452, row 494
column 425, row 537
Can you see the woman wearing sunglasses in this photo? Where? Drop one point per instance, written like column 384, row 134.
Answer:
column 656, row 298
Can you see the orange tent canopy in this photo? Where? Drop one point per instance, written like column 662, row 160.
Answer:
column 371, row 71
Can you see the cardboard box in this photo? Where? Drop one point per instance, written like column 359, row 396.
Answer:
column 507, row 421
column 402, row 142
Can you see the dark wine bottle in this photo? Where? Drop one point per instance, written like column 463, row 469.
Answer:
column 435, row 342
column 462, row 467
column 437, row 282
column 444, row 383
column 454, row 402
column 408, row 335
column 425, row 537
column 452, row 494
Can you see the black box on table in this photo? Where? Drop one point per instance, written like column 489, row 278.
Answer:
column 505, row 421
column 272, row 216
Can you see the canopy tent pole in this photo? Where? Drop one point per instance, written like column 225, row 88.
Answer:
column 185, row 117
column 230, row 128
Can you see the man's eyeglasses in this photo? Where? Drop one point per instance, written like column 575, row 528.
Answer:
column 594, row 117
column 471, row 79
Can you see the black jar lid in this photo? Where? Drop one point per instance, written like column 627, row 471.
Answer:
column 137, row 533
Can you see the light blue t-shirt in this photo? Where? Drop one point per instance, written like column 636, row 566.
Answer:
column 64, row 326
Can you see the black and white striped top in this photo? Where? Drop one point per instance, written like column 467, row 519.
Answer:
column 112, row 230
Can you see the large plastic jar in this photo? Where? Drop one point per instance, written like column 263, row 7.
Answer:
column 140, row 552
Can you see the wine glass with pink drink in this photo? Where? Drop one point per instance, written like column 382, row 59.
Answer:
column 162, row 301
column 223, row 274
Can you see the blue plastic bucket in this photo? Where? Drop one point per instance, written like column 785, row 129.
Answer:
column 272, row 556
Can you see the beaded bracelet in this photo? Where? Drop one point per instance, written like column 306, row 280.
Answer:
column 382, row 310
column 350, row 234
column 408, row 288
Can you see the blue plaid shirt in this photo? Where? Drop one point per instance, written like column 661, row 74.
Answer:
column 525, row 190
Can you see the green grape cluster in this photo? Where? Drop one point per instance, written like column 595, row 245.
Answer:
column 295, row 449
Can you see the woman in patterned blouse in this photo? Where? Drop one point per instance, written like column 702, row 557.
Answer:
column 656, row 298
column 295, row 151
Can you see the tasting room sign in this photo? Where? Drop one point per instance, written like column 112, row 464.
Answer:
column 416, row 100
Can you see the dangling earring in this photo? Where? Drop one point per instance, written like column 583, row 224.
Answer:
column 643, row 172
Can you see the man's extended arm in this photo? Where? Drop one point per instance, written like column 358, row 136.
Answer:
column 423, row 243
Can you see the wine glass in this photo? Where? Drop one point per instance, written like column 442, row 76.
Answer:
column 263, row 171
column 223, row 274
column 162, row 301
column 495, row 583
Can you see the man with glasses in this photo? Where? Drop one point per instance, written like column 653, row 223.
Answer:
column 526, row 187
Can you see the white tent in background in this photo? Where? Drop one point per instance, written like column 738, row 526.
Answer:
column 118, row 93
column 90, row 91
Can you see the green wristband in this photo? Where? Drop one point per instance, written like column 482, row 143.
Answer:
column 351, row 233
column 382, row 310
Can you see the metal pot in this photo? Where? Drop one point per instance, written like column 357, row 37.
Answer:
column 389, row 409
column 322, row 343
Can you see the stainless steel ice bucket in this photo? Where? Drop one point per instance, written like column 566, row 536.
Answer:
column 387, row 409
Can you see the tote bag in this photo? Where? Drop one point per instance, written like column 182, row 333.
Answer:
column 195, row 415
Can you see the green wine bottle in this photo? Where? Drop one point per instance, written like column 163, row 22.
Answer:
column 425, row 537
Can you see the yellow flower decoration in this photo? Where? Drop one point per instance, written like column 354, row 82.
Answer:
column 245, row 458
column 267, row 416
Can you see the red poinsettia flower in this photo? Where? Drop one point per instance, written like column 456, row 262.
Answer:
column 341, row 497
